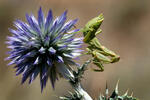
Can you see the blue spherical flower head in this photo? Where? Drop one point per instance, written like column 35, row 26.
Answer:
column 44, row 47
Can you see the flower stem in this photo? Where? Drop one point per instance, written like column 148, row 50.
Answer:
column 85, row 95
column 76, row 80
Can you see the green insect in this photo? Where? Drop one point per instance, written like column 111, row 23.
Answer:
column 101, row 55
column 91, row 28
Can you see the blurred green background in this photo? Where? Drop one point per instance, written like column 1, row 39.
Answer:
column 126, row 30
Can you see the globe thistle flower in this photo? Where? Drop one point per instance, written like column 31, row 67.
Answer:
column 44, row 47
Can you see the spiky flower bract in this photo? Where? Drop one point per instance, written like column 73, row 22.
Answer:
column 115, row 95
column 45, row 47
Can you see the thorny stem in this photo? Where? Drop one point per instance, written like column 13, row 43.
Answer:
column 85, row 95
column 75, row 81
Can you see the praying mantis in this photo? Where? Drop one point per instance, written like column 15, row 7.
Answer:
column 101, row 55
